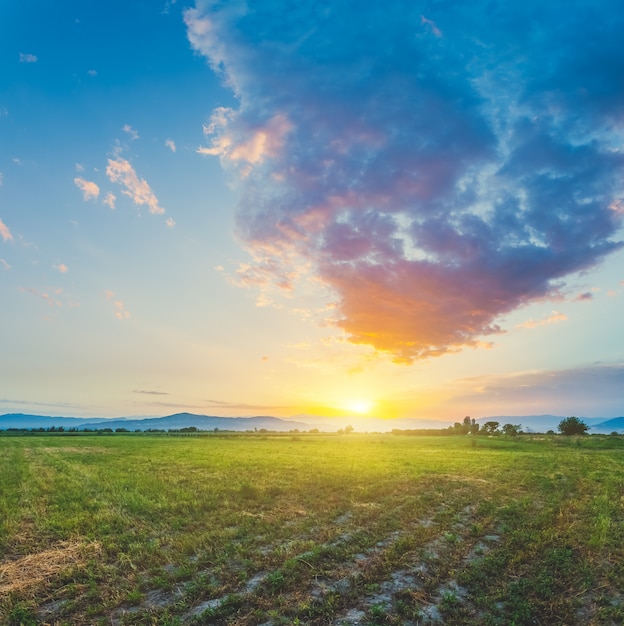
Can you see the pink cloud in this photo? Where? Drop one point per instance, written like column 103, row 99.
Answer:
column 109, row 200
column 120, row 310
column 431, row 24
column 5, row 233
column 50, row 298
column 62, row 268
column 121, row 171
column 90, row 190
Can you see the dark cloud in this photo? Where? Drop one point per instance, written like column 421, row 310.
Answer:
column 437, row 164
column 594, row 391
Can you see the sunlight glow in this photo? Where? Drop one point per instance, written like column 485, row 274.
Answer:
column 362, row 407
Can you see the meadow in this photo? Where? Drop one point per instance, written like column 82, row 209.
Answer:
column 262, row 529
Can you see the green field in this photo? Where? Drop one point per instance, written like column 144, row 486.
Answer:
column 311, row 529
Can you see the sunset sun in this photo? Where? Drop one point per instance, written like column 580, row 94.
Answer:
column 362, row 407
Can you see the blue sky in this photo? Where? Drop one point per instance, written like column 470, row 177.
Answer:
column 406, row 210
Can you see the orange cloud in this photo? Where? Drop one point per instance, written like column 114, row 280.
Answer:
column 552, row 319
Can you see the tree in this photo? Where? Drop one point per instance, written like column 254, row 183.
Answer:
column 348, row 429
column 572, row 426
column 511, row 430
column 489, row 428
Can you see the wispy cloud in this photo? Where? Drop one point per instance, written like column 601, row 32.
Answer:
column 27, row 58
column 90, row 190
column 426, row 180
column 109, row 200
column 553, row 318
column 170, row 143
column 431, row 25
column 584, row 297
column 121, row 313
column 562, row 392
column 50, row 297
column 247, row 407
column 150, row 393
column 4, row 264
column 5, row 233
column 170, row 222
column 121, row 171
column 134, row 135
column 62, row 268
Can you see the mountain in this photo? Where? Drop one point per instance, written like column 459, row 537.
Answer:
column 203, row 422
column 21, row 420
column 615, row 424
column 529, row 423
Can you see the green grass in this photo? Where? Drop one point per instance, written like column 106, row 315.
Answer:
column 246, row 530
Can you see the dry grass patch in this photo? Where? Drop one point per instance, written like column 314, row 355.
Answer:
column 34, row 569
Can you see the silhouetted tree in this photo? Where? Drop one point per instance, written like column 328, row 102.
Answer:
column 572, row 426
column 489, row 428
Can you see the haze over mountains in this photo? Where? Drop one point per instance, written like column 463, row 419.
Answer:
column 530, row 423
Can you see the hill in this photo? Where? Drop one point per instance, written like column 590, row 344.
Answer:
column 204, row 422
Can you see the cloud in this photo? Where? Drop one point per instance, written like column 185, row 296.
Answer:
column 431, row 25
column 27, row 58
column 134, row 135
column 90, row 191
column 51, row 298
column 120, row 171
column 170, row 143
column 434, row 184
column 553, row 318
column 5, row 233
column 121, row 313
column 151, row 393
column 92, row 72
column 62, row 268
column 4, row 264
column 170, row 222
column 591, row 390
column 109, row 199
column 584, row 297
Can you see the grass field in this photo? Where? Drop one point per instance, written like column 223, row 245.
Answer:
column 311, row 529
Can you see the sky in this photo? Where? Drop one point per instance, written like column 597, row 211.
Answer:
column 402, row 210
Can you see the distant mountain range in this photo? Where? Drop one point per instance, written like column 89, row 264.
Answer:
column 530, row 423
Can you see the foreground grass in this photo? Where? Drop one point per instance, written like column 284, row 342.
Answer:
column 359, row 529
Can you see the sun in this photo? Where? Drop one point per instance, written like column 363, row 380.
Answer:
column 362, row 407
